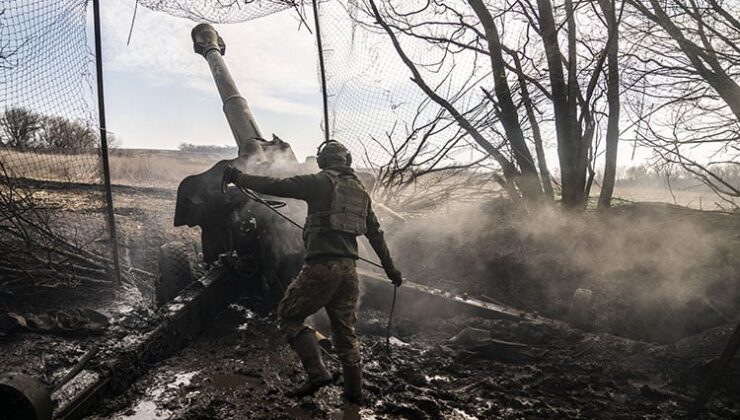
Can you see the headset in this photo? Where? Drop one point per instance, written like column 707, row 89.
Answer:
column 321, row 160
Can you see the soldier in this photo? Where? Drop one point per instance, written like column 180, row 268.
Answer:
column 339, row 210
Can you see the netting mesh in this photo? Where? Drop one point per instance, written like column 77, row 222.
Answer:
column 220, row 11
column 384, row 118
column 52, row 206
column 47, row 124
column 374, row 105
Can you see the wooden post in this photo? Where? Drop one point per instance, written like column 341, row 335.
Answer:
column 321, row 69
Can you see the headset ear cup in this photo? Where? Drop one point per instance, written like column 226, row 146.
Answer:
column 349, row 159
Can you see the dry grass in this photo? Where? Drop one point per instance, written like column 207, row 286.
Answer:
column 166, row 168
column 700, row 197
column 136, row 167
column 158, row 168
column 52, row 166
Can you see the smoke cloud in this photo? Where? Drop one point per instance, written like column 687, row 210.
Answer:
column 657, row 272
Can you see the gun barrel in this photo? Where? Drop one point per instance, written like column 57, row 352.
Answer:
column 247, row 134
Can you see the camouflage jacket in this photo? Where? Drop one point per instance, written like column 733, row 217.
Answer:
column 317, row 190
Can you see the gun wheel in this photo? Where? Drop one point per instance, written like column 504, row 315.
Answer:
column 174, row 272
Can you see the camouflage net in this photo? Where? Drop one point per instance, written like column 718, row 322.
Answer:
column 48, row 127
column 373, row 106
column 49, row 145
column 220, row 11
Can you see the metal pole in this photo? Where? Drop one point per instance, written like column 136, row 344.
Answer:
column 321, row 69
column 104, row 142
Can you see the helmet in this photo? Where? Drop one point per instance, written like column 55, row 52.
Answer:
column 333, row 153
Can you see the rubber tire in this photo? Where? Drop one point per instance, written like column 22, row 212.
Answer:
column 175, row 272
column 23, row 397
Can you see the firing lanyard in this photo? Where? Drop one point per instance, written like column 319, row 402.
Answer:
column 390, row 321
column 252, row 195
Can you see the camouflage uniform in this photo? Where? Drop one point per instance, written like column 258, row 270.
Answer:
column 339, row 210
column 332, row 285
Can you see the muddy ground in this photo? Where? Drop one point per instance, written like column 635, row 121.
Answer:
column 241, row 367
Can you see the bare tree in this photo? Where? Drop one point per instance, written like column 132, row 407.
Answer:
column 63, row 134
column 681, row 73
column 419, row 173
column 708, row 35
column 19, row 128
column 511, row 173
column 573, row 84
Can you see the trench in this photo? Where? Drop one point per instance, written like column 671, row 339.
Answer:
column 239, row 367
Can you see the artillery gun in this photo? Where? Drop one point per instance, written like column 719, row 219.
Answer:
column 247, row 247
column 235, row 229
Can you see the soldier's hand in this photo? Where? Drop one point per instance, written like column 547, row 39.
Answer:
column 395, row 276
column 230, row 175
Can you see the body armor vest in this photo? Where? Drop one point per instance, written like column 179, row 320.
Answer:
column 348, row 210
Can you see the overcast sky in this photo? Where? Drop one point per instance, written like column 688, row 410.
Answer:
column 159, row 93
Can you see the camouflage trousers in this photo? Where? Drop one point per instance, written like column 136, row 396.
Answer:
column 331, row 284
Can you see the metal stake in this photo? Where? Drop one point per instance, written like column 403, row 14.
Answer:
column 104, row 142
column 321, row 69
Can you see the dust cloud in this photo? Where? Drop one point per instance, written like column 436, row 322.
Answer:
column 657, row 272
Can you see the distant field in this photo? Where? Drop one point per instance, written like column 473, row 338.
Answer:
column 136, row 167
column 698, row 197
column 166, row 168
column 158, row 168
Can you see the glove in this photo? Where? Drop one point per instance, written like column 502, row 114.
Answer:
column 394, row 275
column 230, row 175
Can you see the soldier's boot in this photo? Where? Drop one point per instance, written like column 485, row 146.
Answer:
column 306, row 346
column 352, row 384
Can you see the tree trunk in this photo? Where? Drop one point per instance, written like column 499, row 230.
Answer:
column 576, row 137
column 612, row 128
column 536, row 134
column 508, row 111
column 572, row 179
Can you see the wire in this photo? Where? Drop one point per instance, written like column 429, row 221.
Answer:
column 390, row 321
column 133, row 19
column 252, row 195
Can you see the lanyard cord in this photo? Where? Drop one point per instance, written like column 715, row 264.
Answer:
column 252, row 195
column 390, row 321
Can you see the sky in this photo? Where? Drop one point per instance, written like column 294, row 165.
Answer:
column 159, row 93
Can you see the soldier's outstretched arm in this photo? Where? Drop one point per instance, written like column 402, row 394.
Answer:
column 376, row 237
column 299, row 187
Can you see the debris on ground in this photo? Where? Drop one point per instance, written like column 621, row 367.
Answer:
column 452, row 368
column 74, row 321
column 479, row 342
